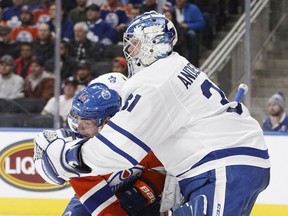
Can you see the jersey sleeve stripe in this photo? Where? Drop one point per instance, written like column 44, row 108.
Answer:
column 98, row 198
column 92, row 191
column 222, row 153
column 104, row 206
column 129, row 136
column 116, row 149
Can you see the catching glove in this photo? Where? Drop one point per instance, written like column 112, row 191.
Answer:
column 57, row 158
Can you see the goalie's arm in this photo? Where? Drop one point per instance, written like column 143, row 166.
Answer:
column 127, row 138
column 144, row 123
column 57, row 161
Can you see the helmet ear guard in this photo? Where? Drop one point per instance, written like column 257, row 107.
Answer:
column 156, row 35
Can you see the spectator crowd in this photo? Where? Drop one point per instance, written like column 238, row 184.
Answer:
column 91, row 39
column 277, row 120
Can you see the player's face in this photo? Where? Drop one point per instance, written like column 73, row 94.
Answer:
column 87, row 127
column 133, row 48
column 274, row 109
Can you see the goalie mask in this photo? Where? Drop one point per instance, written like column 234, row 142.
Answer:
column 148, row 38
column 95, row 102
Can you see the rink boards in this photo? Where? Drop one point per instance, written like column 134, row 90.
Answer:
column 23, row 192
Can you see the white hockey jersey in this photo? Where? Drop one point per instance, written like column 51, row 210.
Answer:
column 177, row 111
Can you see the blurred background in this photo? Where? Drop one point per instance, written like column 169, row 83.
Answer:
column 233, row 41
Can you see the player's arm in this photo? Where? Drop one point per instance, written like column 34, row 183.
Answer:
column 123, row 142
column 154, row 171
column 97, row 196
column 144, row 121
column 147, row 190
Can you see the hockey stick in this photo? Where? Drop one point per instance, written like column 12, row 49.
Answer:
column 242, row 90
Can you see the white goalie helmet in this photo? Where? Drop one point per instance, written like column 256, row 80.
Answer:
column 149, row 37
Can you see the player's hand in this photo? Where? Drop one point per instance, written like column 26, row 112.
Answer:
column 57, row 160
column 136, row 198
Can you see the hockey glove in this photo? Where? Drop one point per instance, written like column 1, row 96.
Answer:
column 57, row 160
column 136, row 198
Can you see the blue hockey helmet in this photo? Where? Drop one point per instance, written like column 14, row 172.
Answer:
column 97, row 102
column 149, row 37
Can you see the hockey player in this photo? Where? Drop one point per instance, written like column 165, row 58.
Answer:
column 91, row 110
column 213, row 146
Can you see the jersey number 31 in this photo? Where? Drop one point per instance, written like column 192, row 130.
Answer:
column 129, row 103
